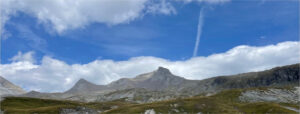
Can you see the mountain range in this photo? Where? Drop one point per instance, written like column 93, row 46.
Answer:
column 161, row 84
column 163, row 80
column 271, row 91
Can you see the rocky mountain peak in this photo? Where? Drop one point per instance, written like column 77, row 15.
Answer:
column 82, row 81
column 162, row 71
column 83, row 85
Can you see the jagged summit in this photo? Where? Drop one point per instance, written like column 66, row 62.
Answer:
column 162, row 70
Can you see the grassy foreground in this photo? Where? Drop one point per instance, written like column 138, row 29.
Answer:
column 23, row 105
column 223, row 102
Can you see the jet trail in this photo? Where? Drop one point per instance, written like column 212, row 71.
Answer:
column 199, row 31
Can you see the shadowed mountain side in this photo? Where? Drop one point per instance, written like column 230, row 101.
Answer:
column 279, row 76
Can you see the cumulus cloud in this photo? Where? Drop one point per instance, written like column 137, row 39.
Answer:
column 62, row 15
column 26, row 57
column 162, row 7
column 70, row 14
column 56, row 75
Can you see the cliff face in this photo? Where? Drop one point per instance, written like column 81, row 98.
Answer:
column 276, row 77
column 279, row 76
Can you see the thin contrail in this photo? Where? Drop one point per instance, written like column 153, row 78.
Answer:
column 199, row 31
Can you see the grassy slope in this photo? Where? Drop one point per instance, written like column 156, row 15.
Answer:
column 223, row 102
column 22, row 105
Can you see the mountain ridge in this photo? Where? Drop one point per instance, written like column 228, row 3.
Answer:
column 83, row 86
column 162, row 80
column 162, row 77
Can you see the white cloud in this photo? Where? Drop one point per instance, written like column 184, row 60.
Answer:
column 162, row 7
column 70, row 14
column 206, row 1
column 26, row 57
column 56, row 75
column 62, row 15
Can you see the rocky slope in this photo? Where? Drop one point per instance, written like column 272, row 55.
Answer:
column 227, row 101
column 83, row 86
column 139, row 95
column 286, row 95
column 7, row 88
column 276, row 77
column 160, row 79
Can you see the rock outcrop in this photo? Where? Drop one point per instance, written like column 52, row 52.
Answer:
column 79, row 110
column 282, row 95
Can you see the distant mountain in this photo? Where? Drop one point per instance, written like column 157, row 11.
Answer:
column 148, row 85
column 163, row 80
column 159, row 79
column 275, row 77
column 83, row 86
column 271, row 91
column 8, row 88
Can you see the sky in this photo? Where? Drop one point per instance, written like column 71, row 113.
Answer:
column 57, row 42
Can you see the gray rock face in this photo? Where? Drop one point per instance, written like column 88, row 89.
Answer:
column 8, row 88
column 272, row 95
column 276, row 77
column 150, row 111
column 138, row 95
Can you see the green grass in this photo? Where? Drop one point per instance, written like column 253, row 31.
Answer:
column 23, row 105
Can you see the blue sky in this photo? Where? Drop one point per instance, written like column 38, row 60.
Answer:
column 50, row 41
column 172, row 37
